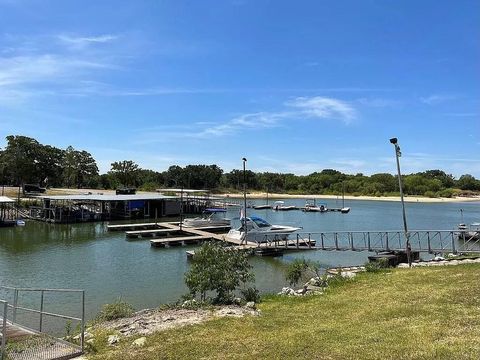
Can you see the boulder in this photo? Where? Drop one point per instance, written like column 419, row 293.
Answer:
column 438, row 258
column 348, row 274
column 250, row 305
column 140, row 342
column 189, row 303
column 113, row 339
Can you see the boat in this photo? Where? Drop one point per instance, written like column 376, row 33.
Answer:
column 471, row 232
column 263, row 206
column 311, row 206
column 344, row 210
column 280, row 206
column 260, row 230
column 211, row 217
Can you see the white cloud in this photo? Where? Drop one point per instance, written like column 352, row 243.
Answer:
column 437, row 99
column 323, row 107
column 79, row 42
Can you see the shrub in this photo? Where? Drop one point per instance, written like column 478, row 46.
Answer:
column 301, row 268
column 218, row 269
column 116, row 310
column 251, row 294
column 377, row 266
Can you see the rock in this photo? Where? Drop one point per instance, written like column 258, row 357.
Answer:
column 189, row 303
column 438, row 258
column 453, row 262
column 312, row 288
column 113, row 339
column 451, row 255
column 287, row 291
column 140, row 342
column 348, row 274
column 301, row 291
column 250, row 305
column 86, row 335
column 237, row 301
column 90, row 341
column 402, row 265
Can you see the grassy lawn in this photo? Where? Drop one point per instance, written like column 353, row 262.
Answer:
column 421, row 313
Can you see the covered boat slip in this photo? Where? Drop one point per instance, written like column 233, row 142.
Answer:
column 99, row 207
column 7, row 212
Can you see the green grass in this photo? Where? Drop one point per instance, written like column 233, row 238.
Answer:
column 420, row 313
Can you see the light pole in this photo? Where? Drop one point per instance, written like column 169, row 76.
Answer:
column 394, row 141
column 244, row 200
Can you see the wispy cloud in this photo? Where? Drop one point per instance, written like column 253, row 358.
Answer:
column 378, row 102
column 437, row 99
column 85, row 40
column 311, row 108
column 324, row 108
column 28, row 71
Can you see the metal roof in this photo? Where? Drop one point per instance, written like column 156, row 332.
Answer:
column 108, row 197
column 189, row 191
column 5, row 199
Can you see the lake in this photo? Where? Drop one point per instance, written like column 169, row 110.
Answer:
column 107, row 266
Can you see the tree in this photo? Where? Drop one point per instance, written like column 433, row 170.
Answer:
column 79, row 168
column 468, row 182
column 300, row 269
column 125, row 171
column 218, row 269
column 21, row 157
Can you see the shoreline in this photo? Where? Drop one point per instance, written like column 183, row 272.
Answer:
column 12, row 192
column 419, row 199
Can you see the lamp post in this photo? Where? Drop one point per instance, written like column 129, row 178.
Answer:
column 244, row 200
column 398, row 153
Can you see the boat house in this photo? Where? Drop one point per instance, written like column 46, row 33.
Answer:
column 7, row 211
column 100, row 207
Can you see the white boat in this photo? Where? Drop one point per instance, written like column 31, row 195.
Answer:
column 344, row 209
column 280, row 206
column 471, row 232
column 313, row 207
column 259, row 230
column 211, row 217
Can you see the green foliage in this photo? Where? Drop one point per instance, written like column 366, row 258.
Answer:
column 251, row 294
column 300, row 269
column 116, row 310
column 377, row 266
column 218, row 269
column 25, row 160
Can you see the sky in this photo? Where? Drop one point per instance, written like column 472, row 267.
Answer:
column 293, row 86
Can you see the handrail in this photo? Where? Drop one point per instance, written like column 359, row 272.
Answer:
column 16, row 307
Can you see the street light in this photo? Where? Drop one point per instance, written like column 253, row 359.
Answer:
column 244, row 200
column 398, row 153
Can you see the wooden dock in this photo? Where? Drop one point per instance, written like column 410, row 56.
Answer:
column 178, row 241
column 134, row 226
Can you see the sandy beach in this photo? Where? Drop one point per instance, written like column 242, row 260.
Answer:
column 12, row 192
column 260, row 195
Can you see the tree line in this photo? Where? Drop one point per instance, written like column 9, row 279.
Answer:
column 26, row 161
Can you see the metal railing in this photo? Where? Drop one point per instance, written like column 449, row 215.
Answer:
column 431, row 241
column 15, row 307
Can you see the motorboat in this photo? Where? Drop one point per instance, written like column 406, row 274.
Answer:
column 471, row 232
column 313, row 207
column 280, row 206
column 260, row 230
column 211, row 217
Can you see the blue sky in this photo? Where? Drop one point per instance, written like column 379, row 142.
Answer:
column 292, row 86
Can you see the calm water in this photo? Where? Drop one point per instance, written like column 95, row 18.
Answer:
column 107, row 266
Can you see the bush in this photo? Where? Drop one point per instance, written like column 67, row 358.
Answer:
column 377, row 266
column 251, row 294
column 116, row 310
column 218, row 269
column 301, row 268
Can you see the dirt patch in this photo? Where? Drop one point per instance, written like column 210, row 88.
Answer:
column 148, row 321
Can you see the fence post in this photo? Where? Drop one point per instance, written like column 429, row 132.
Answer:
column 454, row 251
column 41, row 310
column 386, row 241
column 428, row 241
column 82, row 326
column 15, row 303
column 336, row 241
column 4, row 329
column 368, row 238
column 323, row 245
